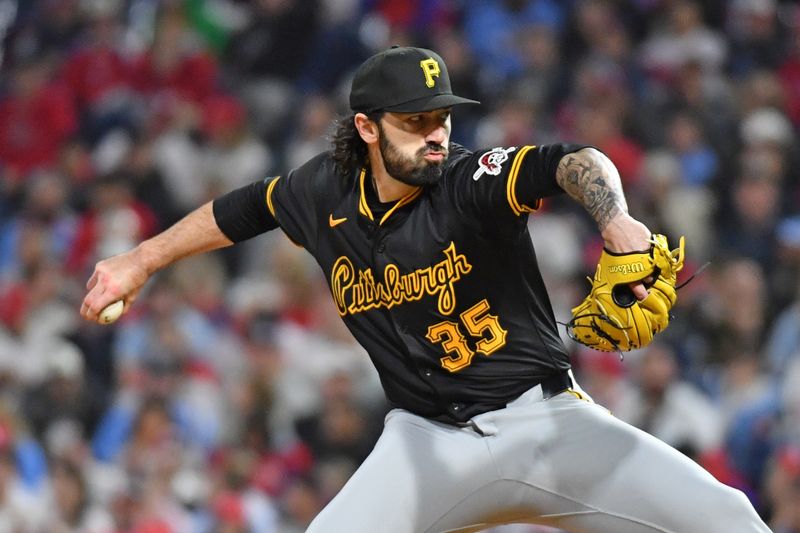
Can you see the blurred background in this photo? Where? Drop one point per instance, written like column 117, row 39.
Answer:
column 231, row 398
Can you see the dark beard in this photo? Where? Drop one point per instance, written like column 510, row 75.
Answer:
column 406, row 169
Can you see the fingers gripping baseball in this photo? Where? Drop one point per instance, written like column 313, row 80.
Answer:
column 116, row 279
column 607, row 323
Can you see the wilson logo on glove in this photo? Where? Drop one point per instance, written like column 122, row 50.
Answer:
column 628, row 268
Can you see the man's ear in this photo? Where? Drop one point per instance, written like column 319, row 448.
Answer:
column 366, row 128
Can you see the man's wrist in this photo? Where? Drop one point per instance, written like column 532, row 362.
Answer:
column 148, row 257
column 623, row 233
column 613, row 220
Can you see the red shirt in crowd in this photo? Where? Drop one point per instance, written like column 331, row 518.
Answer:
column 92, row 73
column 33, row 126
column 191, row 78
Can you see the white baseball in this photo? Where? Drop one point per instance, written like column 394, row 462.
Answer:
column 111, row 312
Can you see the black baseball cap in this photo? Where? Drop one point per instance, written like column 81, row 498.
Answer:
column 405, row 80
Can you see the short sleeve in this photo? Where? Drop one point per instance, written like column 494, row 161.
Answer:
column 291, row 200
column 242, row 213
column 537, row 175
column 507, row 182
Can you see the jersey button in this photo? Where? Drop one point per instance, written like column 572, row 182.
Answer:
column 455, row 407
column 381, row 247
column 428, row 373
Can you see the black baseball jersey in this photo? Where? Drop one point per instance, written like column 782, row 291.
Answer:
column 441, row 287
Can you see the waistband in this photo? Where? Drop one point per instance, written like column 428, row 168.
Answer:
column 552, row 385
column 555, row 384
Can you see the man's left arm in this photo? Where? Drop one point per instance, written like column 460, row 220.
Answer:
column 590, row 178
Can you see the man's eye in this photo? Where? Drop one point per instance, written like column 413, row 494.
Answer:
column 416, row 119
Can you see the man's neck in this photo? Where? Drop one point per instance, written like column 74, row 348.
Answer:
column 386, row 187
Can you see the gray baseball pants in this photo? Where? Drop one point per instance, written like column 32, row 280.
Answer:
column 564, row 462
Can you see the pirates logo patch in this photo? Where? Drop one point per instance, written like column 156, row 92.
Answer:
column 491, row 162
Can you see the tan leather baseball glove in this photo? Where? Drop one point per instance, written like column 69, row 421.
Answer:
column 610, row 318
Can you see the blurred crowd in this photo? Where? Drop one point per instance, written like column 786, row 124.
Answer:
column 231, row 398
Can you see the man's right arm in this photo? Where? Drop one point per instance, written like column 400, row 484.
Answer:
column 123, row 276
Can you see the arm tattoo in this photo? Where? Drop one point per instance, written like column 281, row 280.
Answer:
column 591, row 178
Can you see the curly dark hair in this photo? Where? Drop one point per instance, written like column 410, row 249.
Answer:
column 349, row 151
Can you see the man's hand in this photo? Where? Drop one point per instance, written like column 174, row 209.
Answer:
column 625, row 234
column 117, row 278
column 122, row 277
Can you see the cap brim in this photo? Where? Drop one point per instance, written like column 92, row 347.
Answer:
column 429, row 103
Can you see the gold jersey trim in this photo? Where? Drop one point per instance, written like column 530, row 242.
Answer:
column 363, row 206
column 511, row 184
column 271, row 207
column 269, row 195
column 355, row 291
column 407, row 199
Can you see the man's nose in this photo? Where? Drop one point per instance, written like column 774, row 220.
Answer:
column 438, row 135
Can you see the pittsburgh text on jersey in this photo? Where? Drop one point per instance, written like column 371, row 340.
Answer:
column 356, row 291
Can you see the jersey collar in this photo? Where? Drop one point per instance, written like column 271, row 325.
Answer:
column 363, row 204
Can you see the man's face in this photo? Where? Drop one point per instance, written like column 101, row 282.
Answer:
column 414, row 145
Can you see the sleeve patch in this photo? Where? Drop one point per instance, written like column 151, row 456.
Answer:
column 491, row 162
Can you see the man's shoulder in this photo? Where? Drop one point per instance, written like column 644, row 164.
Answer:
column 458, row 154
column 321, row 164
column 321, row 178
column 457, row 160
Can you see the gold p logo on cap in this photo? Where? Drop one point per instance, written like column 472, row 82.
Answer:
column 430, row 68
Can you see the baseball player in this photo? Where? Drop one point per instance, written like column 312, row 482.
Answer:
column 426, row 250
